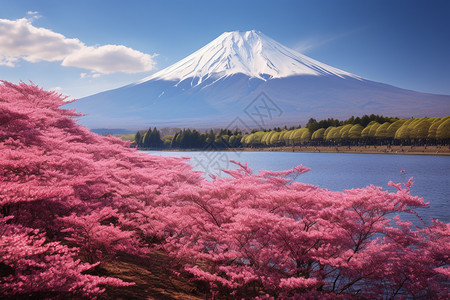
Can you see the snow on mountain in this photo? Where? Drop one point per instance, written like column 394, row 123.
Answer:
column 248, row 52
column 223, row 80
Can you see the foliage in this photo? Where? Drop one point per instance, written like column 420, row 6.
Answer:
column 318, row 134
column 344, row 132
column 126, row 137
column 363, row 131
column 355, row 132
column 382, row 131
column 39, row 269
column 313, row 125
column 432, row 130
column 290, row 239
column 68, row 194
column 392, row 129
column 152, row 139
column 333, row 133
column 443, row 131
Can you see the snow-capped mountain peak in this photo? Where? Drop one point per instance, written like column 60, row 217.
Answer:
column 247, row 52
column 222, row 83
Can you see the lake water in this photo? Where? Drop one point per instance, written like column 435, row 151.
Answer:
column 339, row 171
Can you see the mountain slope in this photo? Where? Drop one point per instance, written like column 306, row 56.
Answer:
column 223, row 81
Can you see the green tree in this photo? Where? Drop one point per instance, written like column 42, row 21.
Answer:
column 434, row 126
column 306, row 136
column 369, row 131
column 296, row 135
column 285, row 137
column 420, row 129
column 443, row 131
column 275, row 139
column 333, row 134
column 365, row 120
column 146, row 138
column 312, row 125
column 327, row 132
column 185, row 139
column 176, row 141
column 343, row 133
column 293, row 136
column 318, row 134
column 281, row 137
column 392, row 129
column 167, row 140
column 156, row 141
column 235, row 140
column 254, row 139
column 244, row 139
column 355, row 132
column 373, row 128
column 266, row 138
column 382, row 131
column 405, row 131
column 138, row 138
column 211, row 137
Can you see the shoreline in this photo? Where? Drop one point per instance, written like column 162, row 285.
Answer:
column 392, row 150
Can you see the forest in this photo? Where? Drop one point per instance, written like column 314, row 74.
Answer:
column 367, row 130
column 74, row 205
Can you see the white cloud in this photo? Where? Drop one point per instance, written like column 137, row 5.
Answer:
column 19, row 39
column 110, row 59
column 57, row 89
column 8, row 61
column 93, row 74
column 34, row 15
column 307, row 45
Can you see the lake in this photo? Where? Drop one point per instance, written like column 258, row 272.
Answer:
column 339, row 171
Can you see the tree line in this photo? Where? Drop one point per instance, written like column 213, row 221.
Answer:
column 189, row 139
column 366, row 130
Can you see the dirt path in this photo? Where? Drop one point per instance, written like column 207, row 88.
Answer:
column 414, row 150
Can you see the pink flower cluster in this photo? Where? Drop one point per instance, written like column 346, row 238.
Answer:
column 70, row 199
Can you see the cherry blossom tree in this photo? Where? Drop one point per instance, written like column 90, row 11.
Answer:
column 34, row 268
column 71, row 188
column 263, row 233
column 71, row 199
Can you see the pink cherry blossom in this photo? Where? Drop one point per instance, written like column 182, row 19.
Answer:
column 71, row 199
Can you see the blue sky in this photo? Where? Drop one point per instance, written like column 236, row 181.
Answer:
column 87, row 46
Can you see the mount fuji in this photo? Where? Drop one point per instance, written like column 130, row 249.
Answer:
column 248, row 76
